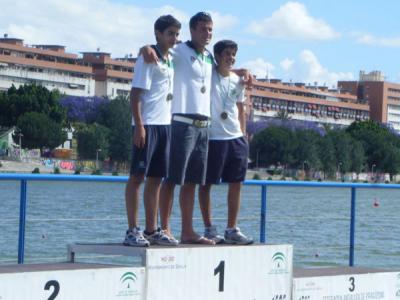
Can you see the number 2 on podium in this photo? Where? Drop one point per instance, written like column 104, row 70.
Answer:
column 220, row 269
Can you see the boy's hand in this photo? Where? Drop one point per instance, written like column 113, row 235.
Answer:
column 247, row 77
column 149, row 55
column 139, row 136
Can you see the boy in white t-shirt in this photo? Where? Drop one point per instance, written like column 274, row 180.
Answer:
column 227, row 148
column 151, row 97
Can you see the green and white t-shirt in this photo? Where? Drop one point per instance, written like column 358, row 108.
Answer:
column 192, row 81
column 225, row 93
column 157, row 82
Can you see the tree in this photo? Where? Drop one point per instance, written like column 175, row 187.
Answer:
column 39, row 131
column 283, row 115
column 32, row 98
column 84, row 109
column 327, row 155
column 307, row 151
column 357, row 157
column 273, row 145
column 117, row 117
column 91, row 138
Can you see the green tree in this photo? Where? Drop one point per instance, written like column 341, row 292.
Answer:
column 91, row 138
column 283, row 115
column 357, row 157
column 39, row 131
column 117, row 117
column 342, row 142
column 273, row 145
column 31, row 98
column 327, row 155
column 379, row 144
column 307, row 151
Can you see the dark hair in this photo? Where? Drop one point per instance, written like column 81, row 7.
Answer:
column 222, row 45
column 199, row 17
column 166, row 21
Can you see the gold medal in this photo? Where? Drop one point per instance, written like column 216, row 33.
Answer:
column 169, row 97
column 203, row 89
column 224, row 115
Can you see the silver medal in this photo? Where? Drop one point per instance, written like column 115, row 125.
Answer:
column 203, row 89
column 169, row 97
column 224, row 115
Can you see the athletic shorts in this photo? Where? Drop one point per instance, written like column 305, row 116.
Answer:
column 227, row 160
column 152, row 159
column 188, row 151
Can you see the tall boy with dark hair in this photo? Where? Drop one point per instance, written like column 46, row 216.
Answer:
column 151, row 96
column 227, row 148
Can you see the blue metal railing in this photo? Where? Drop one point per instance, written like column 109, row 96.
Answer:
column 24, row 178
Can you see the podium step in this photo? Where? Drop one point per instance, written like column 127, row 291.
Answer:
column 346, row 283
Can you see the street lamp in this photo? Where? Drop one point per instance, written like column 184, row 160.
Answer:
column 258, row 150
column 304, row 162
column 97, row 158
column 338, row 168
column 20, row 135
column 372, row 171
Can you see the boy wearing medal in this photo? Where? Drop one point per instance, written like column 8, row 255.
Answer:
column 227, row 148
column 151, row 97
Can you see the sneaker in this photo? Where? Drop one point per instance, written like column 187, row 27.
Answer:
column 160, row 237
column 135, row 238
column 212, row 234
column 235, row 236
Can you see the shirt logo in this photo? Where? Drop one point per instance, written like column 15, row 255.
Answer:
column 193, row 59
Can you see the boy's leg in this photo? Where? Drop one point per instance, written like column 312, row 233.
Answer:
column 233, row 203
column 150, row 198
column 205, row 204
column 165, row 205
column 186, row 201
column 132, row 194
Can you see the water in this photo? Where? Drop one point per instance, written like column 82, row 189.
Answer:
column 315, row 220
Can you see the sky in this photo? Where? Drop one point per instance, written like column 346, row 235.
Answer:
column 311, row 41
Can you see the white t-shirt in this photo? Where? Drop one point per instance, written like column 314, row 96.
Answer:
column 225, row 93
column 156, row 80
column 192, row 74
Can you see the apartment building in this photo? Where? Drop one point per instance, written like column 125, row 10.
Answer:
column 47, row 65
column 383, row 97
column 305, row 102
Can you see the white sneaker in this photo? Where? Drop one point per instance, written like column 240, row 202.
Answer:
column 235, row 236
column 135, row 238
column 212, row 234
column 160, row 237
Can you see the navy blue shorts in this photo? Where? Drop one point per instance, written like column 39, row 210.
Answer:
column 227, row 160
column 188, row 154
column 152, row 159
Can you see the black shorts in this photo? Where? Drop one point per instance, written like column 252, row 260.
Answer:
column 227, row 160
column 152, row 159
column 188, row 155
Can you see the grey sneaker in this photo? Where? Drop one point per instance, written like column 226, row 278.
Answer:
column 235, row 236
column 212, row 234
column 160, row 237
column 135, row 238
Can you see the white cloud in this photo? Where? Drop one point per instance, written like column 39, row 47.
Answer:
column 292, row 21
column 287, row 64
column 259, row 67
column 309, row 70
column 84, row 25
column 368, row 39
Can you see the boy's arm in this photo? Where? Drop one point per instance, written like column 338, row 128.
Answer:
column 242, row 117
column 139, row 134
column 149, row 54
column 246, row 75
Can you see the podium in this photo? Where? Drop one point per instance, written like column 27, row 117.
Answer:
column 346, row 283
column 66, row 281
column 208, row 272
